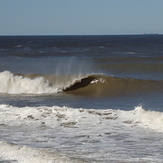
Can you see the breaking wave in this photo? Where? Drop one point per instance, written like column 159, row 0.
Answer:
column 78, row 84
column 34, row 83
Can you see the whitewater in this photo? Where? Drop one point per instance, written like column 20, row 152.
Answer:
column 77, row 99
column 46, row 134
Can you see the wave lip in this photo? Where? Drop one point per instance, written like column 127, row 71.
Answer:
column 80, row 84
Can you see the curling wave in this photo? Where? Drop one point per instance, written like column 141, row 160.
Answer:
column 102, row 85
column 35, row 83
column 78, row 84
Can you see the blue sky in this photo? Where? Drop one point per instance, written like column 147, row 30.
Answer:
column 80, row 17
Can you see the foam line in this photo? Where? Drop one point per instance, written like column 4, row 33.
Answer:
column 25, row 154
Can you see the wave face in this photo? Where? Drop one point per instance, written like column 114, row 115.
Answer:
column 102, row 85
column 85, row 84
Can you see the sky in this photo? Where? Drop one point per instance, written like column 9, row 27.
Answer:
column 80, row 17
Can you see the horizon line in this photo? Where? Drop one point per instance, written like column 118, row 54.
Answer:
column 78, row 34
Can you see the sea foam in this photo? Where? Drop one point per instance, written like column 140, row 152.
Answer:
column 64, row 127
column 14, row 84
column 56, row 116
column 25, row 154
column 149, row 119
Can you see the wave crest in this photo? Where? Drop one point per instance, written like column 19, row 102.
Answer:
column 81, row 84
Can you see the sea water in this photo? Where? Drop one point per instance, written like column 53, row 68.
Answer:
column 81, row 99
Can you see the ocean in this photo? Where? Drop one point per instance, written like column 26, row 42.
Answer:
column 77, row 99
